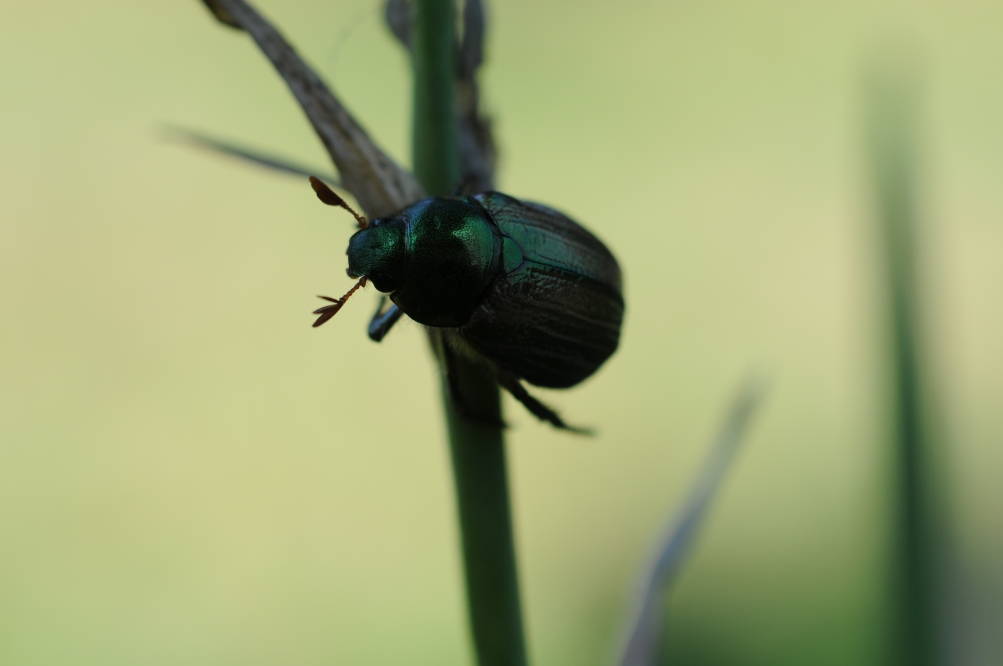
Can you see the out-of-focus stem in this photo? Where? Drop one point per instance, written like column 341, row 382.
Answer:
column 893, row 142
column 476, row 442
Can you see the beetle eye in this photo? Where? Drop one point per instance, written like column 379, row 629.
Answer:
column 383, row 282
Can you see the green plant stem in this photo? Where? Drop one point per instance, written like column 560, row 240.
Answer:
column 894, row 147
column 477, row 446
column 479, row 470
column 436, row 151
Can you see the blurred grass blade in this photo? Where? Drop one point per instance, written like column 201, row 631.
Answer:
column 379, row 185
column 233, row 150
column 892, row 105
column 642, row 636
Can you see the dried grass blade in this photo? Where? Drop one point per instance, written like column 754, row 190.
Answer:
column 380, row 185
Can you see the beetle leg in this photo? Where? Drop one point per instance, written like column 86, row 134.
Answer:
column 383, row 320
column 512, row 384
column 449, row 361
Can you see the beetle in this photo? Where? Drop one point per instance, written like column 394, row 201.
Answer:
column 516, row 284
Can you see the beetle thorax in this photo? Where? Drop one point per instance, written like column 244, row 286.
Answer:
column 436, row 258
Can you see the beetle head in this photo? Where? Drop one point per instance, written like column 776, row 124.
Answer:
column 379, row 252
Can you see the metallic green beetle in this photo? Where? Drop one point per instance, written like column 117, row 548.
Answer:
column 523, row 287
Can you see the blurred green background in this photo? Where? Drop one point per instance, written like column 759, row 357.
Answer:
column 190, row 474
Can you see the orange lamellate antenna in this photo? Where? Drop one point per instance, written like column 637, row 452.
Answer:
column 329, row 311
column 328, row 196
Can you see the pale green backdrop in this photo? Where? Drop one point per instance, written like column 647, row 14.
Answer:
column 190, row 474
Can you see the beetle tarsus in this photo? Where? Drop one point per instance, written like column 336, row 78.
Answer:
column 537, row 408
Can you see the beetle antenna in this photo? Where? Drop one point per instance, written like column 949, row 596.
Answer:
column 329, row 311
column 328, row 196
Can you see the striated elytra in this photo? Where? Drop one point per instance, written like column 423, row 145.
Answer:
column 517, row 284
